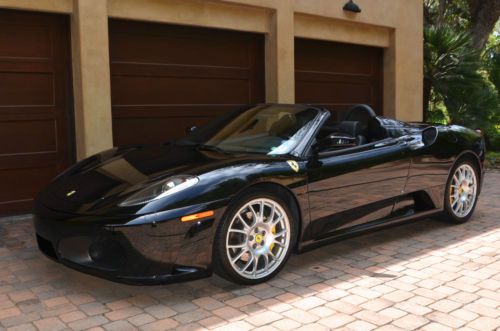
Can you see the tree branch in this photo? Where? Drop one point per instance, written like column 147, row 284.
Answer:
column 485, row 14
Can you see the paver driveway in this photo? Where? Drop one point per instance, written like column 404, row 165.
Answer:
column 424, row 275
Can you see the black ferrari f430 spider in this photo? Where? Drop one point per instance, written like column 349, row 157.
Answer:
column 239, row 195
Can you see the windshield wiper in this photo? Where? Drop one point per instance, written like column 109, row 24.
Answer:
column 212, row 148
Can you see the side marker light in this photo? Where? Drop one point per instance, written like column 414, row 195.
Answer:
column 194, row 217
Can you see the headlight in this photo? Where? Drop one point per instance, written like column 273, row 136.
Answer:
column 159, row 190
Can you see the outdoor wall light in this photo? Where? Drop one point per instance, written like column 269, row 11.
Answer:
column 351, row 6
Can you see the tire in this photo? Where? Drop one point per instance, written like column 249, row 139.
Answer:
column 461, row 192
column 245, row 242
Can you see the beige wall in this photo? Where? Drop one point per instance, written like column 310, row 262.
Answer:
column 91, row 83
column 395, row 25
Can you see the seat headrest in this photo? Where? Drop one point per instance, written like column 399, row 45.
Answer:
column 361, row 113
column 353, row 128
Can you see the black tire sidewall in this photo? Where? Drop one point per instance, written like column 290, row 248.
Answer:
column 222, row 266
column 447, row 207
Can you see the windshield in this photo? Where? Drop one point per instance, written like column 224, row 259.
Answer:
column 268, row 129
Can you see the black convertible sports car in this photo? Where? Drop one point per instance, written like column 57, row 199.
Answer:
column 240, row 194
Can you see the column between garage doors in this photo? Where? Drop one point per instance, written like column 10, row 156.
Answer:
column 91, row 77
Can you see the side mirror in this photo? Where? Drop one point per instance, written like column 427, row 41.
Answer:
column 191, row 129
column 335, row 142
column 429, row 135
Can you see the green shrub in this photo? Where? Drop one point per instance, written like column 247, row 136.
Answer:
column 493, row 160
column 493, row 143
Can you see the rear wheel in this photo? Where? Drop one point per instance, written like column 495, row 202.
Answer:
column 461, row 192
column 255, row 239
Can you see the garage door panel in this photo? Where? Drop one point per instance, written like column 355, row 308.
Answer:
column 169, row 90
column 180, row 71
column 165, row 78
column 29, row 41
column 157, row 128
column 23, row 184
column 154, row 123
column 352, row 66
column 19, row 65
column 172, row 111
column 23, row 88
column 335, row 79
column 35, row 105
column 29, row 136
column 7, row 162
column 135, row 42
column 337, row 75
column 314, row 55
column 187, row 51
column 30, row 113
column 340, row 92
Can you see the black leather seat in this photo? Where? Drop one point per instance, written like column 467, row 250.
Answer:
column 361, row 113
column 353, row 129
column 371, row 128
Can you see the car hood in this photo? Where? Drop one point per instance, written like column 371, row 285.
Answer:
column 96, row 184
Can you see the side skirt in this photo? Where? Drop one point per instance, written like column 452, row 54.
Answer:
column 371, row 227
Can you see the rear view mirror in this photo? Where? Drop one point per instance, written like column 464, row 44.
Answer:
column 191, row 129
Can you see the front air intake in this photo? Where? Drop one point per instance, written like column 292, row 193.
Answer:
column 46, row 247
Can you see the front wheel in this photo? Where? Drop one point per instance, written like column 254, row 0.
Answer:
column 461, row 192
column 254, row 240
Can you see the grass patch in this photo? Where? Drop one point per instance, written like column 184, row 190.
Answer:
column 493, row 160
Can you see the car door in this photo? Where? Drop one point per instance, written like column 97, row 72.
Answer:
column 350, row 188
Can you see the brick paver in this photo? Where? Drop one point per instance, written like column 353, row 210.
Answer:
column 426, row 275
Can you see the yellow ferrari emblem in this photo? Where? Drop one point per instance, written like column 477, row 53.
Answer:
column 294, row 165
column 258, row 238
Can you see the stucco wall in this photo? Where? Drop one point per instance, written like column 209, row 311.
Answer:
column 395, row 25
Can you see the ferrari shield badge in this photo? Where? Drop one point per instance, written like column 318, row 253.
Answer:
column 294, row 165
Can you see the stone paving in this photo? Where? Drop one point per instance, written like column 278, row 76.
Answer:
column 426, row 275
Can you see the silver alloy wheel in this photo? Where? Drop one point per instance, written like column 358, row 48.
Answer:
column 258, row 238
column 463, row 190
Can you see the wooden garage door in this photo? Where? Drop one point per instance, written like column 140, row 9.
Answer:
column 35, row 105
column 337, row 75
column 165, row 78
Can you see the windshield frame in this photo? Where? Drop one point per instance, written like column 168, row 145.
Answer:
column 297, row 151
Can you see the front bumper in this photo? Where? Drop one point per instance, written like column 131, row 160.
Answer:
column 162, row 251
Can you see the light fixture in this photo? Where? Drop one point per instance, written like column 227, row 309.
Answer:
column 351, row 6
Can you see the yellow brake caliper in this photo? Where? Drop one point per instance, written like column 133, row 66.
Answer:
column 451, row 195
column 273, row 230
column 452, row 189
